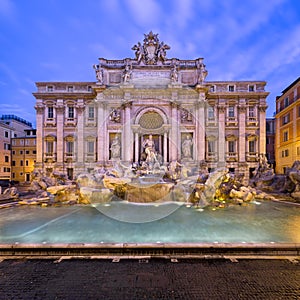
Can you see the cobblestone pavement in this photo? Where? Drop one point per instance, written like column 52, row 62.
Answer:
column 149, row 279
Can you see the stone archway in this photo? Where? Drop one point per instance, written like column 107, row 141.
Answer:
column 151, row 121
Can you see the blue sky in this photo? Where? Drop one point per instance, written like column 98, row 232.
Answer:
column 60, row 40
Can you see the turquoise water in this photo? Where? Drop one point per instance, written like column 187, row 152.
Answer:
column 122, row 222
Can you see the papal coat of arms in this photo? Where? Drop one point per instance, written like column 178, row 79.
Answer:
column 151, row 51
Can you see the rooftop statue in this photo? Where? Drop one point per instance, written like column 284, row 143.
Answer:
column 151, row 51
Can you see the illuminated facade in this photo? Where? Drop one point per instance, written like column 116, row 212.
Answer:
column 287, row 144
column 79, row 123
column 23, row 156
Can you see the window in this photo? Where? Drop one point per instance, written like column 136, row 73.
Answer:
column 212, row 88
column 22, row 142
column 231, row 88
column 6, row 146
column 6, row 158
column 50, row 113
column 252, row 146
column 286, row 102
column 6, row 134
column 286, row 119
column 33, row 151
column 91, row 112
column 26, row 163
column 50, row 88
column 285, row 153
column 251, row 113
column 70, row 147
column 27, row 142
column 89, row 88
column 285, row 136
column 49, row 147
column 91, row 146
column 27, row 152
column 210, row 112
column 21, row 163
column 70, row 88
column 6, row 170
column 211, row 146
column 13, row 142
column 13, row 152
column 71, row 112
column 13, row 163
column 251, row 88
column 231, row 112
column 21, row 152
column 298, row 150
column 231, row 146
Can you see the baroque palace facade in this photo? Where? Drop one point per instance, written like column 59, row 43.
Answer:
column 83, row 125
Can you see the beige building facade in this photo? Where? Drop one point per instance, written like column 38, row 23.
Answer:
column 84, row 125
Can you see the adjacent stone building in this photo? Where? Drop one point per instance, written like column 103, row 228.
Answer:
column 287, row 134
column 11, row 126
column 83, row 125
column 270, row 141
column 23, row 156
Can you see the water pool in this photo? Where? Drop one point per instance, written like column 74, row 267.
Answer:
column 122, row 222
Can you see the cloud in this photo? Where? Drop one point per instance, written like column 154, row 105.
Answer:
column 144, row 13
column 183, row 13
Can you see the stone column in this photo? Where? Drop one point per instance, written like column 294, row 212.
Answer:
column 173, row 141
column 242, row 133
column 40, row 109
column 222, row 144
column 105, row 132
column 101, row 128
column 127, row 143
column 165, row 147
column 60, row 109
column 262, row 128
column 80, row 134
column 200, row 123
column 136, row 150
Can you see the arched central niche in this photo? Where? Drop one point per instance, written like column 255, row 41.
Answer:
column 151, row 120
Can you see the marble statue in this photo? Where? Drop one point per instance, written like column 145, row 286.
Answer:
column 202, row 72
column 127, row 73
column 149, row 147
column 115, row 115
column 139, row 51
column 151, row 51
column 187, row 147
column 115, row 148
column 174, row 74
column 99, row 73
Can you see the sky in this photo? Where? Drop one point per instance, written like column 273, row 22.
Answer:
column 61, row 40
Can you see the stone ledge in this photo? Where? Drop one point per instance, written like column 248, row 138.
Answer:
column 123, row 250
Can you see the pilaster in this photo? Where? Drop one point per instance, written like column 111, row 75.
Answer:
column 40, row 109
